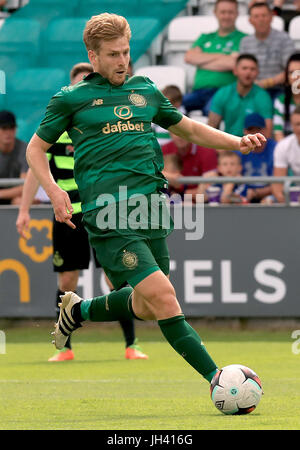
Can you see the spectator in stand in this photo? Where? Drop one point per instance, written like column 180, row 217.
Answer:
column 233, row 102
column 272, row 49
column 230, row 165
column 214, row 55
column 258, row 164
column 13, row 162
column 286, row 103
column 2, row 4
column 174, row 94
column 194, row 160
column 287, row 155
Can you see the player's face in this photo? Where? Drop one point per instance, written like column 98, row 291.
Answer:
column 246, row 72
column 112, row 60
column 261, row 19
column 295, row 122
column 229, row 167
column 226, row 13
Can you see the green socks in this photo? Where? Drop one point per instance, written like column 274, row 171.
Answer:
column 108, row 308
column 117, row 306
column 184, row 339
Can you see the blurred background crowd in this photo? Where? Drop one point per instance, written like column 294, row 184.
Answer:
column 232, row 64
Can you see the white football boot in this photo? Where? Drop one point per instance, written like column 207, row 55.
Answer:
column 65, row 324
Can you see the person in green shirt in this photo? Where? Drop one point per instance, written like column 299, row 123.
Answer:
column 108, row 118
column 214, row 55
column 234, row 102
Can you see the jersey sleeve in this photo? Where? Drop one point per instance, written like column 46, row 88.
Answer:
column 200, row 41
column 57, row 118
column 166, row 114
column 278, row 117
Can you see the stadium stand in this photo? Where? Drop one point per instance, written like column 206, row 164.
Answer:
column 162, row 10
column 46, row 10
column 62, row 45
column 48, row 33
column 294, row 31
column 29, row 91
column 19, row 44
column 164, row 75
column 182, row 32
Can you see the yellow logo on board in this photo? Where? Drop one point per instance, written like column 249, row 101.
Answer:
column 31, row 250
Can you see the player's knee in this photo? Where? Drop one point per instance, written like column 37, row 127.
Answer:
column 165, row 303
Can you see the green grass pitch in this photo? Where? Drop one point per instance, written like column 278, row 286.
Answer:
column 100, row 390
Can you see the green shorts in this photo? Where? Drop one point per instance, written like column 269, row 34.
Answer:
column 128, row 256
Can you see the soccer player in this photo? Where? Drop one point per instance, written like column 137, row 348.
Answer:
column 71, row 249
column 108, row 117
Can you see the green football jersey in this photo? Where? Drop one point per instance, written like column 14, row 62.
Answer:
column 110, row 128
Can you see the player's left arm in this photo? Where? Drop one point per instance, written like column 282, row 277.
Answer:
column 206, row 136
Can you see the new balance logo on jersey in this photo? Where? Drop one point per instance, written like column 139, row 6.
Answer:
column 97, row 102
column 122, row 126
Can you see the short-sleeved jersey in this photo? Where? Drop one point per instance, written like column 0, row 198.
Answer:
column 214, row 43
column 279, row 121
column 110, row 128
column 233, row 107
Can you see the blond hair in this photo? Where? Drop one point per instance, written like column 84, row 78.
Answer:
column 105, row 27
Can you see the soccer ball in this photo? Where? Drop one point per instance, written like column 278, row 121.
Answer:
column 236, row 389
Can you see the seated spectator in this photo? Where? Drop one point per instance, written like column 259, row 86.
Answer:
column 233, row 102
column 258, row 164
column 272, row 49
column 230, row 165
column 13, row 162
column 287, row 156
column 286, row 103
column 214, row 56
column 174, row 94
column 193, row 160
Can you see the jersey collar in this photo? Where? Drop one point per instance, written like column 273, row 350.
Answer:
column 96, row 78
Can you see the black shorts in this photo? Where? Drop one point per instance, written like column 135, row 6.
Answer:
column 71, row 248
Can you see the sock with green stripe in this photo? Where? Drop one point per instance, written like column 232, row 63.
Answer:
column 184, row 339
column 107, row 308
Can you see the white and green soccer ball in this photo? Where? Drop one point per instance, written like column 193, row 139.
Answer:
column 236, row 389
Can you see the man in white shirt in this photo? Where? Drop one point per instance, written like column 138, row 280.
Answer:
column 287, row 155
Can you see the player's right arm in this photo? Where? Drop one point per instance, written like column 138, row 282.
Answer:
column 38, row 162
